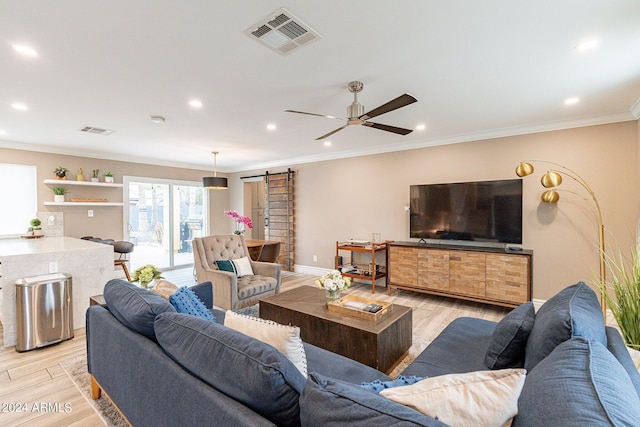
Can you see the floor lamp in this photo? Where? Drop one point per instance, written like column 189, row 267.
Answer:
column 551, row 180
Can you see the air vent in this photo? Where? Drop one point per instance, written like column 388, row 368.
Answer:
column 282, row 32
column 98, row 131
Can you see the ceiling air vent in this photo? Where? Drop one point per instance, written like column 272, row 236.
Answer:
column 98, row 131
column 282, row 31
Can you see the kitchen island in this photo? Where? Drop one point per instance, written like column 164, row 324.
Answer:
column 90, row 265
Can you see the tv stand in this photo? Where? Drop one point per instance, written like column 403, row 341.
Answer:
column 488, row 275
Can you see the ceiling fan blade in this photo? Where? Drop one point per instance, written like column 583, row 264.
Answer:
column 331, row 133
column 388, row 128
column 399, row 102
column 314, row 114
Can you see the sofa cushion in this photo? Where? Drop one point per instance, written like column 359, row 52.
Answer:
column 574, row 311
column 286, row 339
column 445, row 356
column 243, row 368
column 326, row 402
column 482, row 398
column 187, row 302
column 506, row 348
column 580, row 383
column 135, row 307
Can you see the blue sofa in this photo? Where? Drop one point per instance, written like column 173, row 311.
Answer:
column 162, row 368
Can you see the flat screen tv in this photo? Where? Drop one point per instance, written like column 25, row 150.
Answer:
column 483, row 211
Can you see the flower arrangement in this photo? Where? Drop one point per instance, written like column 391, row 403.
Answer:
column 333, row 282
column 146, row 274
column 240, row 221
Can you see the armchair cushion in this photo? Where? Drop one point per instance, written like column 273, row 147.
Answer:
column 226, row 265
column 243, row 266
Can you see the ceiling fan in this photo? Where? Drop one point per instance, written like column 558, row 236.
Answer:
column 357, row 116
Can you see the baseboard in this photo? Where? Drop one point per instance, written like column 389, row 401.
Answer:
column 308, row 269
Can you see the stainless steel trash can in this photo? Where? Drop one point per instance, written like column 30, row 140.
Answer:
column 44, row 310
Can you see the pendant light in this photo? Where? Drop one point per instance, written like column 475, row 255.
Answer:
column 214, row 182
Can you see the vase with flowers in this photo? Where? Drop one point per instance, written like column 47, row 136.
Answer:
column 240, row 221
column 146, row 276
column 333, row 283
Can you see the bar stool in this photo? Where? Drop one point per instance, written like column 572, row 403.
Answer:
column 120, row 247
column 123, row 248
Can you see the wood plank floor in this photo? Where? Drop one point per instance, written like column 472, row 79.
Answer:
column 36, row 377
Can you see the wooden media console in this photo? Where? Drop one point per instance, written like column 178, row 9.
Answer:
column 489, row 275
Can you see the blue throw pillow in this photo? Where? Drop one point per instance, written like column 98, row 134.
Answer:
column 227, row 265
column 377, row 385
column 572, row 312
column 186, row 301
column 326, row 402
column 506, row 348
column 135, row 307
column 579, row 384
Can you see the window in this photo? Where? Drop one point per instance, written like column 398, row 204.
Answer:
column 20, row 188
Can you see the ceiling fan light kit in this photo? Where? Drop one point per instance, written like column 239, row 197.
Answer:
column 356, row 113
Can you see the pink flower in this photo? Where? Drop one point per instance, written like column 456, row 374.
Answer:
column 239, row 219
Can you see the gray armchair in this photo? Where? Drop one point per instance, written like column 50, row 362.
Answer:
column 229, row 291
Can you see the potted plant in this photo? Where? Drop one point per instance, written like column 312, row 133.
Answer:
column 622, row 294
column 146, row 276
column 108, row 177
column 95, row 178
column 58, row 194
column 61, row 172
column 240, row 221
column 35, row 228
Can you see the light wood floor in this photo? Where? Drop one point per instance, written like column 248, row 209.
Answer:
column 37, row 377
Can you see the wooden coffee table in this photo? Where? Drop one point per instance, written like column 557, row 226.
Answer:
column 379, row 344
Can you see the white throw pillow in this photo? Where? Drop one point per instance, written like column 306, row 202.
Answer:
column 482, row 398
column 243, row 266
column 286, row 339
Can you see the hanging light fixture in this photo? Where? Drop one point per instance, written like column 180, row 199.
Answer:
column 214, row 182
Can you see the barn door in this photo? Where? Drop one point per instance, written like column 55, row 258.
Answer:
column 279, row 215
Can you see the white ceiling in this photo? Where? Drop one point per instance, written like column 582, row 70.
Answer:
column 478, row 69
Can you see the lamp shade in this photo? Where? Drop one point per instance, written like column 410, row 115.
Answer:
column 550, row 196
column 214, row 183
column 551, row 179
column 524, row 169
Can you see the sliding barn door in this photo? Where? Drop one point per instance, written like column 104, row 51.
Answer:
column 279, row 215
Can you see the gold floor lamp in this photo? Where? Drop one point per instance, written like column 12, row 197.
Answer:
column 551, row 180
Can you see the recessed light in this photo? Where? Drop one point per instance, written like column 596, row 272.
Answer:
column 25, row 50
column 421, row 126
column 587, row 44
column 272, row 126
column 327, row 143
column 157, row 119
column 195, row 103
column 19, row 106
column 571, row 101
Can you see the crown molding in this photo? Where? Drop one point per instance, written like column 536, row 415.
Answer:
column 454, row 139
column 632, row 114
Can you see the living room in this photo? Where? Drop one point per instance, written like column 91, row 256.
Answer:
column 360, row 184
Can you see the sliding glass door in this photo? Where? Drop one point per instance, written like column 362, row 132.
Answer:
column 162, row 219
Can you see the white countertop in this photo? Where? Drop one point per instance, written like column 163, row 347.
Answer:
column 12, row 247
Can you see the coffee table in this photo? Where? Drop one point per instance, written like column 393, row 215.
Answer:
column 379, row 344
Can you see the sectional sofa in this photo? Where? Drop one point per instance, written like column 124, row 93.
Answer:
column 164, row 368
